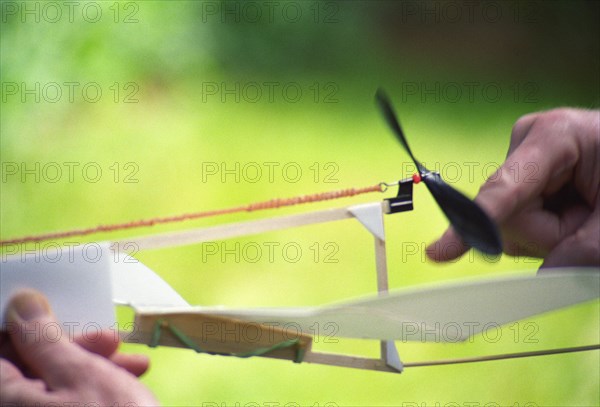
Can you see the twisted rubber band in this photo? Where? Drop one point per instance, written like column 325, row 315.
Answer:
column 257, row 206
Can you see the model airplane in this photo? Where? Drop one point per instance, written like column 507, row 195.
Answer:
column 83, row 292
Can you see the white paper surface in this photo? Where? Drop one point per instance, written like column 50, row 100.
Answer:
column 76, row 280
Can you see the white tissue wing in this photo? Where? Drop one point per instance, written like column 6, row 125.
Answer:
column 136, row 285
column 446, row 313
column 76, row 280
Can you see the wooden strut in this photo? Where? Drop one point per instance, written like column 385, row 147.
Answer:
column 504, row 356
column 375, row 364
column 229, row 231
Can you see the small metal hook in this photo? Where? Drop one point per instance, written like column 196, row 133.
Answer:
column 385, row 185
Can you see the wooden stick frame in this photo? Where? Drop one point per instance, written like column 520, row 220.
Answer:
column 369, row 215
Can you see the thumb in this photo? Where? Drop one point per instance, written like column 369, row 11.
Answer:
column 39, row 341
column 448, row 247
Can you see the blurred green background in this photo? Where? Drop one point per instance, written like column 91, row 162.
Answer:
column 142, row 98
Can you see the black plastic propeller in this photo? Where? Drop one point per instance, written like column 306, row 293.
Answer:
column 468, row 219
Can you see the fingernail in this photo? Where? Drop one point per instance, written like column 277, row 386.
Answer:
column 29, row 306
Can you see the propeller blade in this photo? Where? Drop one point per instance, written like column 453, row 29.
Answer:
column 468, row 219
column 446, row 313
column 394, row 123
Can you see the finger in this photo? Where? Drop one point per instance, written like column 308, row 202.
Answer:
column 545, row 228
column 57, row 361
column 542, row 231
column 9, row 372
column 582, row 248
column 525, row 175
column 15, row 389
column 135, row 364
column 105, row 343
column 520, row 249
column 448, row 247
column 520, row 131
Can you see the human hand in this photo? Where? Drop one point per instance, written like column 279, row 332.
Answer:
column 36, row 369
column 545, row 197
